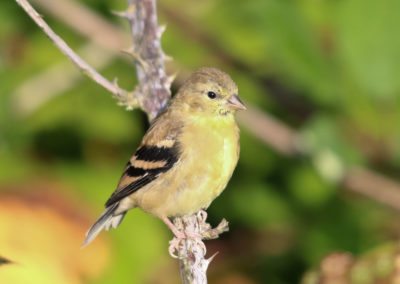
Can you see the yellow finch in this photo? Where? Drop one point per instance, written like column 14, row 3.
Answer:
column 185, row 159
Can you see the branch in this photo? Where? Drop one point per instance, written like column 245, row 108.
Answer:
column 288, row 142
column 153, row 93
column 125, row 98
column 191, row 252
column 374, row 186
column 269, row 130
column 153, row 90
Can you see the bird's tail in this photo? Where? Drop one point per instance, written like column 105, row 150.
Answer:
column 106, row 221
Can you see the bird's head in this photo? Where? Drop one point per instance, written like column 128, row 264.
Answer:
column 211, row 91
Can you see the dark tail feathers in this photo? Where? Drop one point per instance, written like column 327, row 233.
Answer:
column 106, row 221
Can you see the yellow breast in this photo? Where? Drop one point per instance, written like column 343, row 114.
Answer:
column 207, row 163
column 209, row 154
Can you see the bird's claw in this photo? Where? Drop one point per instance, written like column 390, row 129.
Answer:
column 174, row 247
column 177, row 241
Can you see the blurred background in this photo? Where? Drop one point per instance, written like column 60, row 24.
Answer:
column 320, row 159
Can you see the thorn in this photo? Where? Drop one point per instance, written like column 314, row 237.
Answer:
column 37, row 14
column 167, row 57
column 208, row 260
column 131, row 8
column 115, row 81
column 212, row 257
column 132, row 52
column 120, row 93
column 127, row 14
column 170, row 79
column 132, row 100
column 122, row 14
column 160, row 30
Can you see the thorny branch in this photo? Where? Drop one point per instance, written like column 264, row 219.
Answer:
column 153, row 90
column 151, row 94
column 191, row 252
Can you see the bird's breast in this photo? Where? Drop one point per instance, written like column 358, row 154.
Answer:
column 210, row 152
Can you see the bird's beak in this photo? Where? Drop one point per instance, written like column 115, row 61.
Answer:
column 235, row 103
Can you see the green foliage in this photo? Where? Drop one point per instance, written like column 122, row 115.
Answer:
column 339, row 59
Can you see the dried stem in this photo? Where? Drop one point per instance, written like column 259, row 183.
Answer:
column 153, row 90
column 270, row 130
column 122, row 95
column 373, row 185
column 191, row 252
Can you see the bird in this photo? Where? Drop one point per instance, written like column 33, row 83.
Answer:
column 186, row 157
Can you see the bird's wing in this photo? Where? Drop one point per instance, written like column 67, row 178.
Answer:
column 157, row 154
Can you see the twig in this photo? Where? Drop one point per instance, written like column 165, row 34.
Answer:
column 269, row 130
column 288, row 142
column 123, row 96
column 374, row 186
column 191, row 252
column 153, row 90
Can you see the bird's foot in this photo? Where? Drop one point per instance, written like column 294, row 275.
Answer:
column 177, row 233
column 182, row 239
column 193, row 235
column 174, row 247
column 189, row 232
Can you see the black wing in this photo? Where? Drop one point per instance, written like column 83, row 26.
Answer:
column 145, row 166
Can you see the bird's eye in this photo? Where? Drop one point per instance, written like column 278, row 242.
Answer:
column 211, row 95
